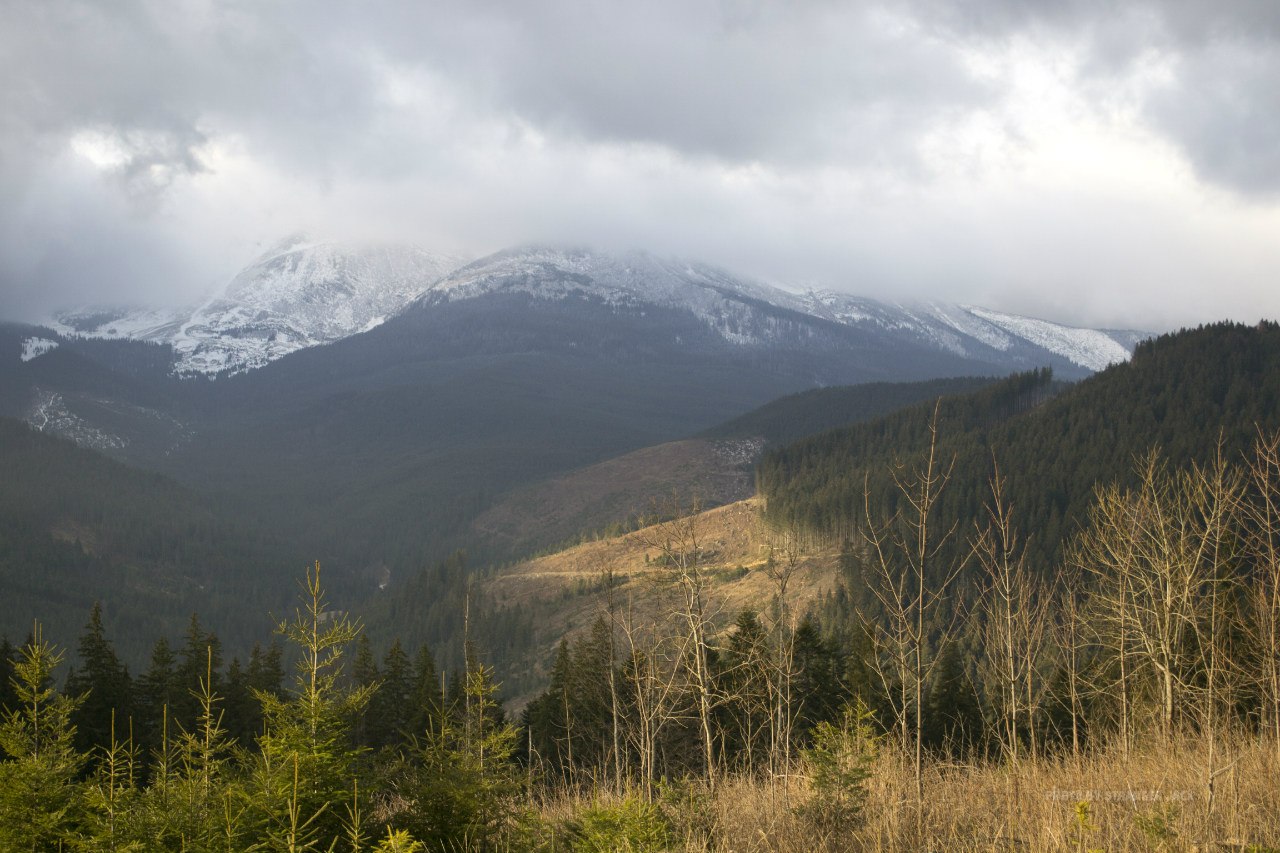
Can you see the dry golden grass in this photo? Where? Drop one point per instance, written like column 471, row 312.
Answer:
column 566, row 591
column 1155, row 800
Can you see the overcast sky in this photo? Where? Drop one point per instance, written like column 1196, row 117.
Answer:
column 1089, row 162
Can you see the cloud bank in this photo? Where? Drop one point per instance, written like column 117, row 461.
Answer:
column 1061, row 159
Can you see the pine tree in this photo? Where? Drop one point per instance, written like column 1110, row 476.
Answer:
column 391, row 710
column 38, row 801
column 303, row 773
column 104, row 683
column 428, row 699
column 154, row 697
column 8, row 697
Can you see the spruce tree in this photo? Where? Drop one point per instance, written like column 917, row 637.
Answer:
column 155, row 696
column 190, row 672
column 392, row 706
column 38, row 790
column 428, row 698
column 241, row 716
column 953, row 712
column 302, row 777
column 104, row 683
column 266, row 672
column 364, row 676
column 8, row 697
column 461, row 779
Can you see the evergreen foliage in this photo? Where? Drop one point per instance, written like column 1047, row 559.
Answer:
column 305, row 763
column 78, row 528
column 1178, row 392
column 104, row 683
column 39, row 802
column 839, row 764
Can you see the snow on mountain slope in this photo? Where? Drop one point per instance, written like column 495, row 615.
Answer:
column 36, row 347
column 1089, row 348
column 300, row 293
column 304, row 292
column 729, row 305
column 980, row 332
column 118, row 322
column 631, row 278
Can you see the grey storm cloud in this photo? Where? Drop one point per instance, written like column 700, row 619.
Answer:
column 792, row 83
column 778, row 82
column 1221, row 106
column 797, row 139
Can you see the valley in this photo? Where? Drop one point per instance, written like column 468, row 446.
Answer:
column 649, row 501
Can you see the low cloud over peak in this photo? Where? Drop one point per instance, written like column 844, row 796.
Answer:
column 1066, row 159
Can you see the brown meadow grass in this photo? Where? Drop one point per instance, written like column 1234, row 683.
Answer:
column 1155, row 799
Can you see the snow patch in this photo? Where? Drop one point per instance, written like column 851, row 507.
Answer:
column 36, row 347
column 1089, row 348
column 49, row 413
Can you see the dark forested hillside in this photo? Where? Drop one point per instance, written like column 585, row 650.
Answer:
column 797, row 416
column 77, row 527
column 385, row 446
column 1180, row 393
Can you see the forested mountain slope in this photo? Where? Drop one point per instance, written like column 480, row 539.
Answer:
column 1180, row 393
column 77, row 527
column 796, row 416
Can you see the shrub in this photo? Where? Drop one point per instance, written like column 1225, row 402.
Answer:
column 838, row 765
column 629, row 825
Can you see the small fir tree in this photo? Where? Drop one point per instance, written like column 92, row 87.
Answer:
column 38, row 791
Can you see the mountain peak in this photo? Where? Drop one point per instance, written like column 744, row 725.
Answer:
column 305, row 291
column 300, row 292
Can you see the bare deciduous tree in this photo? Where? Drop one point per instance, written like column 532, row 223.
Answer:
column 1262, row 518
column 786, row 549
column 1015, row 610
column 1157, row 553
column 1070, row 638
column 651, row 672
column 678, row 541
column 909, row 587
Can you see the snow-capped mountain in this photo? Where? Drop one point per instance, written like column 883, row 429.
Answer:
column 739, row 309
column 304, row 292
column 299, row 293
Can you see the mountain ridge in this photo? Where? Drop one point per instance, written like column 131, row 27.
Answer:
column 304, row 292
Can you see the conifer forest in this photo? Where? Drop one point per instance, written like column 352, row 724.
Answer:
column 963, row 683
